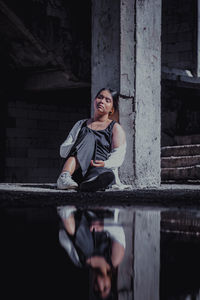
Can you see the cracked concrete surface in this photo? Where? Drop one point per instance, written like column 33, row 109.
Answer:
column 167, row 195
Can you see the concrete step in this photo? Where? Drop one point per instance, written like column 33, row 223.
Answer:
column 182, row 150
column 181, row 173
column 180, row 161
column 187, row 139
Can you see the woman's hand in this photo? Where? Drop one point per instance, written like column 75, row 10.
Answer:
column 100, row 263
column 97, row 163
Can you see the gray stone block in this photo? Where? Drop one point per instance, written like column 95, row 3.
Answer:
column 183, row 150
column 182, row 161
column 182, row 173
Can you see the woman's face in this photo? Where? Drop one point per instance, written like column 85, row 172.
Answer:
column 102, row 285
column 103, row 103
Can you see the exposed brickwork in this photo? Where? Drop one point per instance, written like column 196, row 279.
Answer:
column 179, row 34
column 180, row 113
column 36, row 126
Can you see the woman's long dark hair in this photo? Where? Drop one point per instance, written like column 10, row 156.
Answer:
column 113, row 295
column 114, row 94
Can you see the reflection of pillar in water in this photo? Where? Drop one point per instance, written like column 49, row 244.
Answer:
column 125, row 269
column 146, row 253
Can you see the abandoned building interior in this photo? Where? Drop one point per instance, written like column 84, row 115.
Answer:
column 55, row 55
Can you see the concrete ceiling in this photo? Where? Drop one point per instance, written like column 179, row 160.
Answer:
column 36, row 45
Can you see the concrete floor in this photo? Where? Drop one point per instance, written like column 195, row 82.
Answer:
column 167, row 195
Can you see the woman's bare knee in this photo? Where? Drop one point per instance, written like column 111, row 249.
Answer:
column 70, row 165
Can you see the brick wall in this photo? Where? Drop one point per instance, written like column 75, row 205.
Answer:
column 180, row 108
column 180, row 112
column 35, row 126
column 179, row 34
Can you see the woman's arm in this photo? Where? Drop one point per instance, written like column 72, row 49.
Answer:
column 67, row 144
column 117, row 253
column 119, row 137
column 117, row 235
column 66, row 214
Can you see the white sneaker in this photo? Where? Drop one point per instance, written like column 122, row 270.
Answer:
column 65, row 182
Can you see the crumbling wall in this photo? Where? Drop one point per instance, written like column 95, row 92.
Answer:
column 180, row 109
column 36, row 125
column 179, row 34
column 180, row 113
column 47, row 35
column 45, row 66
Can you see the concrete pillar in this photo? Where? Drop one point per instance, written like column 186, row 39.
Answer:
column 146, row 255
column 126, row 56
column 127, row 86
column 147, row 93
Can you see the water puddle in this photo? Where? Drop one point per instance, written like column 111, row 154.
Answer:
column 100, row 253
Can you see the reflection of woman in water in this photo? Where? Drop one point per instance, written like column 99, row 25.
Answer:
column 94, row 149
column 91, row 243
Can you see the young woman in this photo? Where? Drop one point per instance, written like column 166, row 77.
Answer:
column 93, row 242
column 94, row 148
